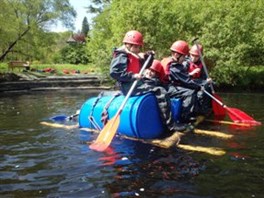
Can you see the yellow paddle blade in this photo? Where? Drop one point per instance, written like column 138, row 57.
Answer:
column 105, row 137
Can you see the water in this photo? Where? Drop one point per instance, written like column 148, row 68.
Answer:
column 44, row 161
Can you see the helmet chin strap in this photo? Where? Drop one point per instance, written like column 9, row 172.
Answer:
column 128, row 50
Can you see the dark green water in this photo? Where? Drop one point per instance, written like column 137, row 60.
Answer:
column 43, row 161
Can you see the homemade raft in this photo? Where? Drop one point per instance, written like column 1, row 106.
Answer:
column 140, row 117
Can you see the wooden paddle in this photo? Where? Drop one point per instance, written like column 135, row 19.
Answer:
column 235, row 114
column 105, row 137
column 218, row 110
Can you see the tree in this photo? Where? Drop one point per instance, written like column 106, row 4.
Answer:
column 85, row 26
column 30, row 16
column 232, row 33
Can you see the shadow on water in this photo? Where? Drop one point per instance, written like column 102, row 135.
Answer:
column 42, row 161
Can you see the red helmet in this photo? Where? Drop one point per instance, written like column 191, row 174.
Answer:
column 194, row 50
column 180, row 47
column 156, row 66
column 133, row 37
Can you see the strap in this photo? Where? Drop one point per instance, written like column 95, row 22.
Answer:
column 90, row 117
column 105, row 115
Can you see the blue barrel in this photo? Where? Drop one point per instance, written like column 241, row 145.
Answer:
column 140, row 117
column 176, row 109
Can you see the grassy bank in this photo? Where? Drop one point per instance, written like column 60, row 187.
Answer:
column 227, row 79
column 58, row 69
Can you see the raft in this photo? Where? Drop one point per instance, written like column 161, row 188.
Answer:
column 140, row 117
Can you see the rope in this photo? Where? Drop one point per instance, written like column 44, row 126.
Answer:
column 105, row 115
column 90, row 117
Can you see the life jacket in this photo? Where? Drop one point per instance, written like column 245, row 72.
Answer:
column 193, row 66
column 166, row 67
column 134, row 64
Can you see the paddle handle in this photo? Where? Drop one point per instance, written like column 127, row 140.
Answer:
column 218, row 101
column 203, row 63
column 133, row 85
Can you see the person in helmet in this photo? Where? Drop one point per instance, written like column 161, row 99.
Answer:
column 193, row 63
column 194, row 67
column 125, row 67
column 155, row 74
column 180, row 83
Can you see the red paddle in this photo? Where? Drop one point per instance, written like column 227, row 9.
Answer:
column 236, row 115
column 218, row 110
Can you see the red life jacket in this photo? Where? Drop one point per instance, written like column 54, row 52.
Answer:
column 193, row 66
column 166, row 67
column 134, row 64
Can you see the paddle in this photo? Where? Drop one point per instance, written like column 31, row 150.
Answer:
column 105, row 137
column 62, row 118
column 235, row 114
column 218, row 110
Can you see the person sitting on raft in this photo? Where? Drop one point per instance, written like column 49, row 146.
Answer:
column 180, row 83
column 193, row 63
column 125, row 67
column 155, row 74
column 195, row 69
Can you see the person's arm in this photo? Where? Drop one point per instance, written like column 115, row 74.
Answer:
column 177, row 74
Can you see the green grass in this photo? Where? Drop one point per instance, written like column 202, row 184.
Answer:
column 60, row 69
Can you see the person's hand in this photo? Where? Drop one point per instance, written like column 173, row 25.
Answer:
column 147, row 73
column 151, row 52
column 209, row 80
column 195, row 71
column 146, row 54
column 137, row 76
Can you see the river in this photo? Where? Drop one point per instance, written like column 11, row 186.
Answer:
column 44, row 161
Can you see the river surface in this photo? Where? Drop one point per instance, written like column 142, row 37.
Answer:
column 44, row 161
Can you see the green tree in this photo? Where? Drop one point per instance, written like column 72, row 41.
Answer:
column 74, row 54
column 85, row 26
column 232, row 32
column 30, row 16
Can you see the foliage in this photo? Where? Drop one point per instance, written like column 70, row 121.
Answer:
column 24, row 24
column 244, row 77
column 74, row 54
column 232, row 32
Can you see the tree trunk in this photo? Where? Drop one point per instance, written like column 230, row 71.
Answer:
column 2, row 57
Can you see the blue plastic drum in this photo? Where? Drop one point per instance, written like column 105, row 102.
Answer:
column 140, row 117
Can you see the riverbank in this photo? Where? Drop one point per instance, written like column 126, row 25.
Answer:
column 31, row 81
column 35, row 81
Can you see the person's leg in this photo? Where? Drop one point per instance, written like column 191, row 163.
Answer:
column 204, row 103
column 188, row 98
column 164, row 104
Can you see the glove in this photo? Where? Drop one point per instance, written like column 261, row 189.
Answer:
column 146, row 55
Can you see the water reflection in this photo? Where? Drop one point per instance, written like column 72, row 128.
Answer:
column 44, row 161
